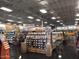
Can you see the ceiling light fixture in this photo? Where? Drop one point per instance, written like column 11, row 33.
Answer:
column 6, row 9
column 52, row 24
column 58, row 21
column 45, row 22
column 43, row 2
column 53, row 17
column 19, row 22
column 38, row 20
column 10, row 20
column 61, row 23
column 43, row 11
column 77, row 14
column 30, row 17
column 77, row 19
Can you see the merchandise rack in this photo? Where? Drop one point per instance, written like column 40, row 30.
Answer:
column 36, row 41
column 39, row 41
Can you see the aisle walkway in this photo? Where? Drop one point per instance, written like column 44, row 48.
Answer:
column 14, row 52
column 69, row 53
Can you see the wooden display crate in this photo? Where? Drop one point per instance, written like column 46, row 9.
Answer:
column 37, row 50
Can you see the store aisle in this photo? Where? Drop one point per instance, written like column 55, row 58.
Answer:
column 14, row 53
column 69, row 53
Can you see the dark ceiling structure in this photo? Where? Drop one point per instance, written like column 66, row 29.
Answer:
column 63, row 10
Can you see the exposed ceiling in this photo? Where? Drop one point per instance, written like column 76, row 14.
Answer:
column 63, row 10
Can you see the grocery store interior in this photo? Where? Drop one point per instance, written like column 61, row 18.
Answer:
column 39, row 29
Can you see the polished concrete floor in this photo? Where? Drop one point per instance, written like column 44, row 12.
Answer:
column 68, row 53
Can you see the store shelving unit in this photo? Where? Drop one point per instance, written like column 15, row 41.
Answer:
column 57, row 36
column 39, row 41
column 36, row 41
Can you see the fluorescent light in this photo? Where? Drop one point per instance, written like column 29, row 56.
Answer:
column 6, row 9
column 58, row 21
column 53, row 17
column 77, row 14
column 77, row 19
column 30, row 17
column 43, row 11
column 52, row 24
column 61, row 23
column 10, row 20
column 45, row 22
column 43, row 2
column 19, row 22
column 38, row 20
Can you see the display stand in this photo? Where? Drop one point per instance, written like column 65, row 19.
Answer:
column 38, row 40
